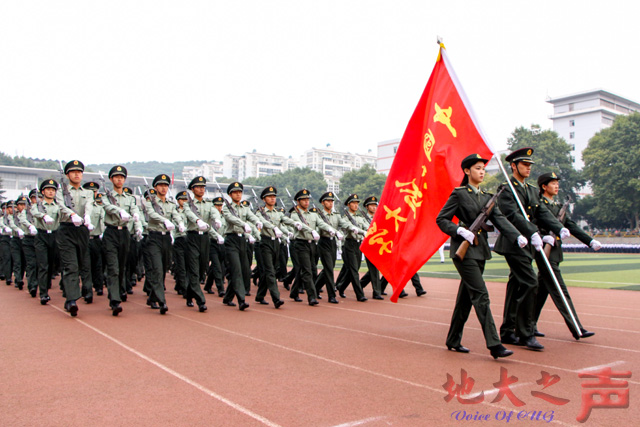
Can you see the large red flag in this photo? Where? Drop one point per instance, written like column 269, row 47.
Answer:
column 442, row 131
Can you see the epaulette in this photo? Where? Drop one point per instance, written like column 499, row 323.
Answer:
column 458, row 188
column 546, row 201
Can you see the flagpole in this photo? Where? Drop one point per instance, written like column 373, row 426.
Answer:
column 544, row 256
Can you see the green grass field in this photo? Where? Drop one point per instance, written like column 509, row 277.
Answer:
column 611, row 271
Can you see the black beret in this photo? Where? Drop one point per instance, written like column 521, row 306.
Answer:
column 521, row 155
column 198, row 180
column 235, row 186
column 161, row 179
column 269, row 191
column 471, row 160
column 73, row 165
column 118, row 170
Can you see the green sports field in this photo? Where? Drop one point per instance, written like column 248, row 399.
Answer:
column 611, row 271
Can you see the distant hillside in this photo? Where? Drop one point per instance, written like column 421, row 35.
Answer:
column 28, row 162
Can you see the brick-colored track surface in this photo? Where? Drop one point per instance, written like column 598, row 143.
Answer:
column 373, row 363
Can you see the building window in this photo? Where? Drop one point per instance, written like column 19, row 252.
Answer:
column 571, row 107
column 572, row 135
column 573, row 147
column 572, row 123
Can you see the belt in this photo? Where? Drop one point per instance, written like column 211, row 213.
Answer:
column 159, row 233
column 305, row 240
column 67, row 224
column 195, row 232
column 93, row 237
column 115, row 227
column 42, row 230
column 234, row 234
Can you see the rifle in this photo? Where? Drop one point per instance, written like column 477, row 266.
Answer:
column 191, row 203
column 320, row 212
column 226, row 202
column 260, row 208
column 295, row 206
column 346, row 212
column 29, row 214
column 478, row 224
column 152, row 198
column 144, row 207
column 66, row 194
column 109, row 194
column 561, row 216
column 39, row 204
column 364, row 214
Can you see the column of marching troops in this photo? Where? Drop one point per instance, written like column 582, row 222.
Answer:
column 109, row 239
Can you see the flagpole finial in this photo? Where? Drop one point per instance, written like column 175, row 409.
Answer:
column 439, row 40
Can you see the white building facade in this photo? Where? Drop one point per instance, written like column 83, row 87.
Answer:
column 255, row 165
column 333, row 164
column 386, row 153
column 578, row 117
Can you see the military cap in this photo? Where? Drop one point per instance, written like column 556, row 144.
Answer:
column 235, row 186
column 98, row 197
column 218, row 201
column 9, row 204
column 546, row 177
column 161, row 179
column 302, row 194
column 4, row 205
column 33, row 193
column 21, row 199
column 245, row 203
column 373, row 200
column 149, row 192
column 314, row 210
column 48, row 183
column 269, row 191
column 280, row 209
column 521, row 155
column 352, row 198
column 471, row 160
column 127, row 190
column 198, row 180
column 91, row 185
column 73, row 165
column 118, row 170
column 182, row 195
column 327, row 196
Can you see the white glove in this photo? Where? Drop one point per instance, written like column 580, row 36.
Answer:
column 32, row 230
column 220, row 240
column 125, row 216
column 339, row 235
column 217, row 224
column 202, row 226
column 247, row 229
column 47, row 219
column 139, row 234
column 595, row 245
column 77, row 221
column 549, row 240
column 354, row 230
column 87, row 220
column 298, row 225
column 259, row 225
column 277, row 232
column 522, row 241
column 181, row 228
column 536, row 241
column 100, row 236
column 466, row 234
column 89, row 226
column 20, row 233
column 136, row 217
column 169, row 225
column 332, row 233
column 290, row 235
column 7, row 230
column 252, row 239
column 315, row 235
column 564, row 233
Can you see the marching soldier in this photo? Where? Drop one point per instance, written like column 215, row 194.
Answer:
column 24, row 221
column 518, row 322
column 95, row 239
column 199, row 231
column 283, row 259
column 163, row 218
column 5, row 246
column 351, row 254
column 466, row 203
column 217, row 258
column 305, row 234
column 15, row 245
column 252, row 239
column 549, row 186
column 327, row 247
column 73, row 235
column 238, row 218
column 47, row 218
column 180, row 251
column 120, row 210
column 373, row 275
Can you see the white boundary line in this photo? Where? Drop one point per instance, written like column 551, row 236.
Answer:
column 177, row 375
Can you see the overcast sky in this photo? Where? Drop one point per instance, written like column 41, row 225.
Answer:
column 117, row 81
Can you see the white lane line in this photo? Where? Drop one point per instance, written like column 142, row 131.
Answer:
column 505, row 277
column 336, row 362
column 181, row 377
column 360, row 422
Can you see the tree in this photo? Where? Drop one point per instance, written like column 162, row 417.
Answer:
column 364, row 181
column 612, row 162
column 551, row 154
column 584, row 210
column 295, row 180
